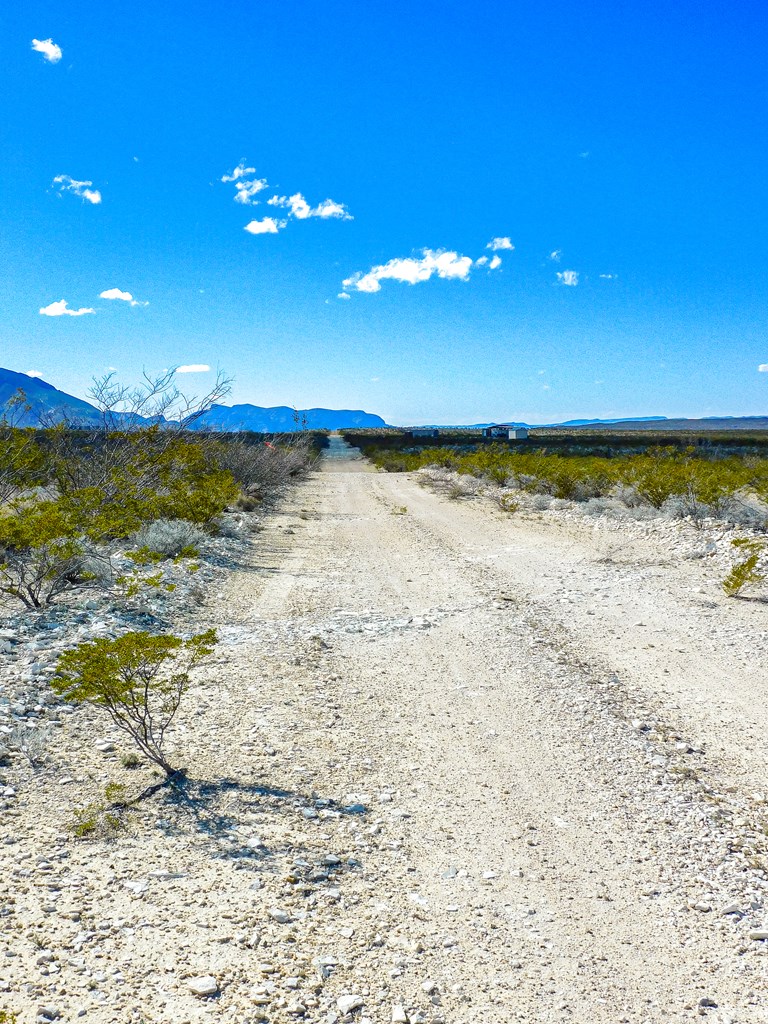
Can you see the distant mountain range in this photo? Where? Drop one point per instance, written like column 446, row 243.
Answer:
column 281, row 419
column 638, row 423
column 45, row 401
column 49, row 405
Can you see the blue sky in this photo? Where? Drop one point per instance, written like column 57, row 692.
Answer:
column 629, row 141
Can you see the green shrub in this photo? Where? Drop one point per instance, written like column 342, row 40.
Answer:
column 41, row 557
column 139, row 679
column 748, row 571
column 101, row 819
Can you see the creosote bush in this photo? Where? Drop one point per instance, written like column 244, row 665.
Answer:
column 747, row 571
column 139, row 679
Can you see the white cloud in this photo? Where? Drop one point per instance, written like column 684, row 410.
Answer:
column 329, row 208
column 301, row 210
column 61, row 308
column 266, row 226
column 555, row 255
column 241, row 171
column 193, row 368
column 48, row 48
column 412, row 271
column 495, row 262
column 482, row 261
column 246, row 190
column 568, row 277
column 500, row 243
column 115, row 293
column 32, row 373
column 609, row 277
column 762, row 368
column 342, row 295
column 79, row 188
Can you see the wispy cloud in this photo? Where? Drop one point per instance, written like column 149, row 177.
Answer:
column 32, row 373
column 762, row 368
column 493, row 263
column 194, row 368
column 246, row 190
column 79, row 188
column 301, row 210
column 500, row 243
column 568, row 277
column 608, row 277
column 343, row 295
column 266, row 226
column 116, row 293
column 61, row 308
column 49, row 50
column 555, row 255
column 411, row 270
column 241, row 171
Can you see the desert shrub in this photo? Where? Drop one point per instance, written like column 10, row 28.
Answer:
column 748, row 571
column 627, row 494
column 744, row 511
column 139, row 679
column 31, row 743
column 41, row 557
column 541, row 502
column 103, row 818
column 507, row 503
column 265, row 467
column 21, row 463
column 249, row 502
column 233, row 526
column 170, row 538
column 460, row 488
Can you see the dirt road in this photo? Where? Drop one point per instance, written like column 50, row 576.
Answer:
column 485, row 675
column 452, row 765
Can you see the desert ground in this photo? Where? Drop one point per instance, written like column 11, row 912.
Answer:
column 448, row 764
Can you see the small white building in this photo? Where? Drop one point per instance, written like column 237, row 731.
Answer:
column 506, row 430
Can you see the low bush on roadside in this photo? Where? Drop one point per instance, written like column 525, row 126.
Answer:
column 170, row 538
column 139, row 679
column 750, row 570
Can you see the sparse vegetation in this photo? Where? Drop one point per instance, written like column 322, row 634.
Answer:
column 69, row 496
column 694, row 483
